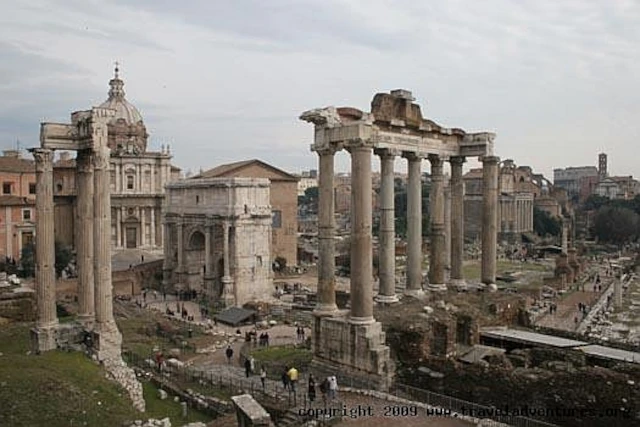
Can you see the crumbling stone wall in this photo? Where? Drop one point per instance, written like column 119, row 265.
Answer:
column 20, row 307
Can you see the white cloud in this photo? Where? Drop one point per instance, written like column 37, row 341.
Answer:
column 226, row 80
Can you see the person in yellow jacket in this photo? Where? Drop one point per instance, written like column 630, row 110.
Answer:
column 293, row 378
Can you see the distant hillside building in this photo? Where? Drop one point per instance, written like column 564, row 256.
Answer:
column 573, row 179
column 17, row 203
column 284, row 202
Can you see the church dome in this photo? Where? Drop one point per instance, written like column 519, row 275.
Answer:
column 127, row 132
column 124, row 109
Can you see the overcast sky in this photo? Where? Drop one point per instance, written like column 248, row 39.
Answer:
column 220, row 81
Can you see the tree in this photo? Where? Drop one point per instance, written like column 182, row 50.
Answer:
column 616, row 225
column 63, row 257
column 544, row 224
column 28, row 260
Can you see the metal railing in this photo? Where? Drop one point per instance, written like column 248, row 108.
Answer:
column 451, row 404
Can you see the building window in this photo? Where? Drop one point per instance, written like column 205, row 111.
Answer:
column 276, row 219
column 27, row 238
column 32, row 188
column 26, row 214
column 129, row 182
column 197, row 199
column 6, row 188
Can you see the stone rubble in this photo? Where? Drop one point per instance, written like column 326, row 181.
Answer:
column 119, row 372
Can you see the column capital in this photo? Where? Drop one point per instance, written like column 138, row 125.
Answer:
column 327, row 150
column 435, row 160
column 413, row 156
column 84, row 161
column 101, row 156
column 490, row 159
column 43, row 157
column 457, row 160
column 387, row 152
column 358, row 144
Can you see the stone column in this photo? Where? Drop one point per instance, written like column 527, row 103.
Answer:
column 565, row 234
column 208, row 259
column 387, row 248
column 361, row 243
column 489, row 218
column 414, row 228
column 457, row 221
column 47, row 320
column 326, row 303
column 152, row 227
column 118, row 227
column 436, row 220
column 102, row 237
column 168, row 256
column 143, row 227
column 84, row 237
column 228, row 291
column 447, row 230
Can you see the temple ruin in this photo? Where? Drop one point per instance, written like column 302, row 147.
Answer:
column 88, row 135
column 395, row 126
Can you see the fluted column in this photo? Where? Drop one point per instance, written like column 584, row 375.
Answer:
column 180, row 238
column 436, row 220
column 208, row 259
column 414, row 227
column 84, row 237
column 168, row 255
column 489, row 218
column 118, row 227
column 447, row 230
column 152, row 227
column 47, row 320
column 326, row 302
column 228, row 290
column 457, row 221
column 102, row 237
column 387, row 243
column 361, row 243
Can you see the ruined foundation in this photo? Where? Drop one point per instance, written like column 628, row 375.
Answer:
column 355, row 353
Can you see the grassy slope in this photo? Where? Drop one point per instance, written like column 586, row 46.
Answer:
column 63, row 389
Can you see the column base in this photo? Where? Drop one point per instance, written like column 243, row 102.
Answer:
column 44, row 337
column 490, row 287
column 326, row 310
column 415, row 293
column 386, row 299
column 87, row 320
column 361, row 320
column 459, row 284
column 437, row 287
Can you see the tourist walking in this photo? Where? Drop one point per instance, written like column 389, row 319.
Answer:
column 293, row 378
column 247, row 367
column 333, row 387
column 285, row 378
column 312, row 388
column 263, row 378
column 324, row 389
column 229, row 354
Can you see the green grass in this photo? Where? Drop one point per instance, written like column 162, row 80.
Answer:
column 471, row 271
column 65, row 388
column 285, row 356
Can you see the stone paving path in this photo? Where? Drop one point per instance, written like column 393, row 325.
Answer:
column 567, row 307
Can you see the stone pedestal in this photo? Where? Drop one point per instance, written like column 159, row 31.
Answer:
column 350, row 350
column 44, row 338
column 228, row 296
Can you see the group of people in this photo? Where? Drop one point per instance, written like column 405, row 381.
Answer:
column 300, row 333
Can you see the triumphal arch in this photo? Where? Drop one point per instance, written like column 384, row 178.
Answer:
column 395, row 127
